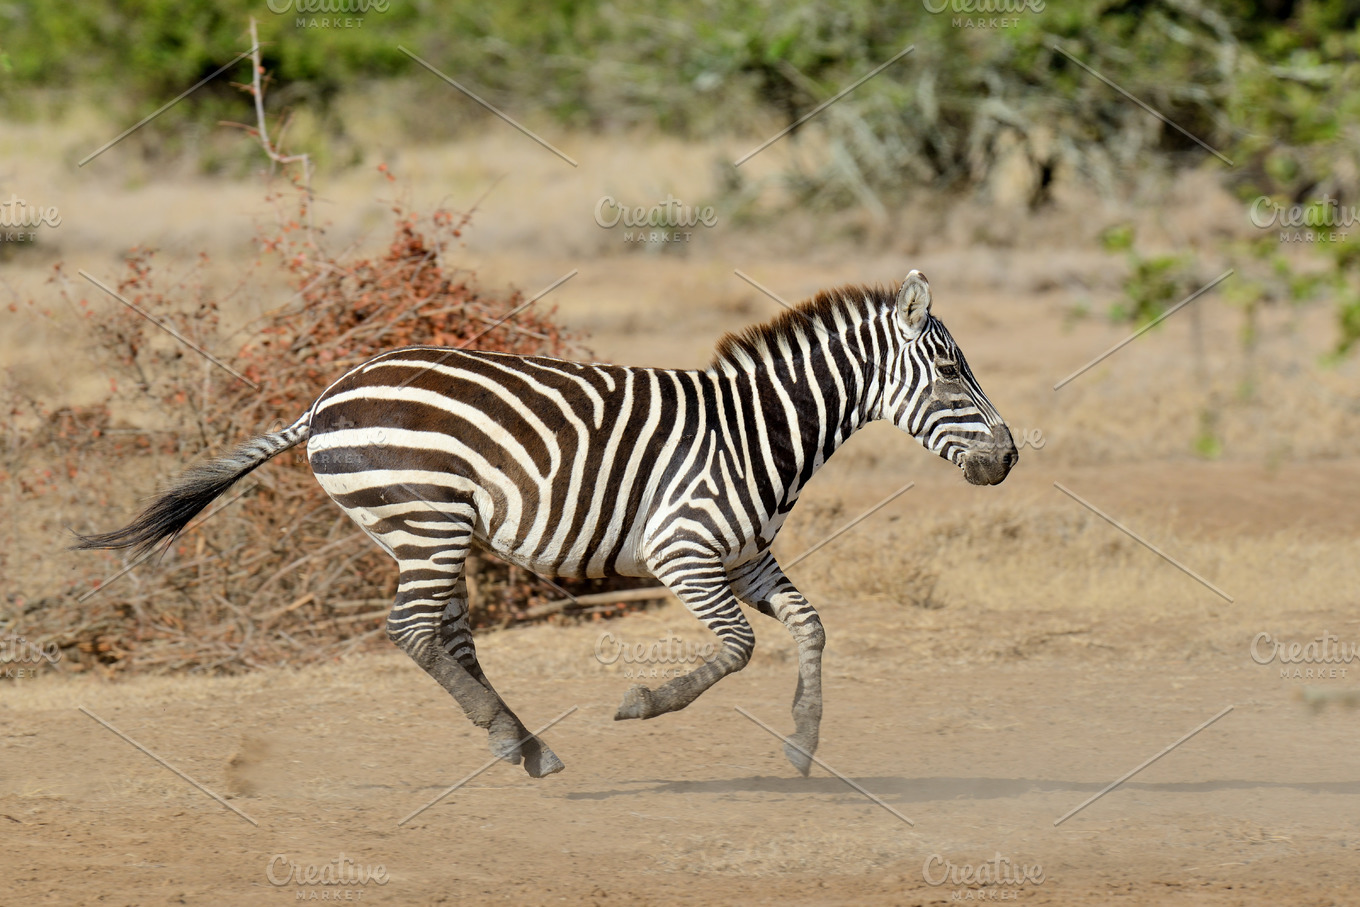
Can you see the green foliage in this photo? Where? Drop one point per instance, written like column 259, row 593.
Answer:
column 1343, row 279
column 1153, row 284
column 933, row 117
column 1265, row 275
column 1348, row 324
column 1207, row 443
column 151, row 50
column 1118, row 238
column 1274, row 87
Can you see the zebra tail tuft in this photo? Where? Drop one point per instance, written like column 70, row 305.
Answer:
column 193, row 491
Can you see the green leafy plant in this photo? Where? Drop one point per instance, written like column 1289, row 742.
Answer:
column 1154, row 283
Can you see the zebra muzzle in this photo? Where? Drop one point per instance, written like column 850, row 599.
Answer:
column 990, row 462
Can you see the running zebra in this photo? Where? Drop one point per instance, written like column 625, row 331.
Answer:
column 578, row 470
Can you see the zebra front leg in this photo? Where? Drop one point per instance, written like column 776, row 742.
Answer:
column 762, row 584
column 707, row 593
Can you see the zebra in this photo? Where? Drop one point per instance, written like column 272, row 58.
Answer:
column 571, row 469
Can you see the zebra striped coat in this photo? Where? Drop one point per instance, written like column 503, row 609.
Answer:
column 592, row 470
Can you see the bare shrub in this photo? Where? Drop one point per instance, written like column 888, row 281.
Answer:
column 279, row 574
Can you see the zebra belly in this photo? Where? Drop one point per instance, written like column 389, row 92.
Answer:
column 577, row 568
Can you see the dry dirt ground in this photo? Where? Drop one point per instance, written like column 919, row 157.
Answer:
column 974, row 731
column 996, row 656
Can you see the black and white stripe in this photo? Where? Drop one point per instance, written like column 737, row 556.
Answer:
column 591, row 470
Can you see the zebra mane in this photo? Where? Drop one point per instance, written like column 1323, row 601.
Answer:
column 758, row 339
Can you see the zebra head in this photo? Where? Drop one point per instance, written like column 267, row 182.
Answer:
column 931, row 394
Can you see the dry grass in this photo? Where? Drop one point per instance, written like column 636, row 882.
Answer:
column 280, row 577
column 940, row 561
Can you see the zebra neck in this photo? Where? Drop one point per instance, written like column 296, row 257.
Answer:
column 793, row 411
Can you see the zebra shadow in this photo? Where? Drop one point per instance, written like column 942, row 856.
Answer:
column 917, row 790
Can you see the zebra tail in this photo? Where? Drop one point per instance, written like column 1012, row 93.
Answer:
column 194, row 490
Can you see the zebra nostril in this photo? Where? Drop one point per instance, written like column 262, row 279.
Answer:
column 1012, row 457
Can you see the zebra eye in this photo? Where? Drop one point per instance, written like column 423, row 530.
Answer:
column 949, row 371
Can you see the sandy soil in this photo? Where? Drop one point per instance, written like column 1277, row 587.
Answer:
column 981, row 728
column 997, row 656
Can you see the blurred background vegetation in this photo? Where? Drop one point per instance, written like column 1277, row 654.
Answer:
column 987, row 104
column 1271, row 85
column 1018, row 117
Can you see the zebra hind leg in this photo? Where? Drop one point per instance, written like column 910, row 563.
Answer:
column 430, row 595
column 508, row 734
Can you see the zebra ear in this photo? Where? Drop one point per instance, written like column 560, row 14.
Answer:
column 913, row 303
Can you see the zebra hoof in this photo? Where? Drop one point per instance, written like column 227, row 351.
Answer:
column 539, row 761
column 800, row 756
column 637, row 703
